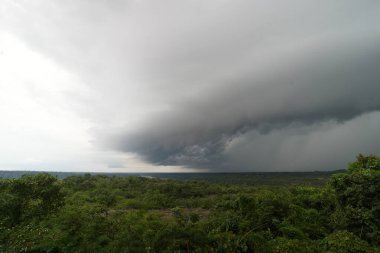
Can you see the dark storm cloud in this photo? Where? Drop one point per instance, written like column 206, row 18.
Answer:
column 221, row 85
column 338, row 80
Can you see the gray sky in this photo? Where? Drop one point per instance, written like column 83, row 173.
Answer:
column 192, row 85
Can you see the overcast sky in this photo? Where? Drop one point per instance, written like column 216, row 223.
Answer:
column 191, row 85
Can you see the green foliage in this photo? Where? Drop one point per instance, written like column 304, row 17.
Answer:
column 29, row 197
column 134, row 214
column 345, row 242
column 359, row 200
column 371, row 162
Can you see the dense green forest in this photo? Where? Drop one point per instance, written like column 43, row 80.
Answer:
column 39, row 213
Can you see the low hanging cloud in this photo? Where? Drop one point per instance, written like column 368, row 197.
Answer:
column 220, row 85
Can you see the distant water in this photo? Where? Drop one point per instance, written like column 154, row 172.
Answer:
column 250, row 178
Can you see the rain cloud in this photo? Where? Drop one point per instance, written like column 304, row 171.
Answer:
column 219, row 85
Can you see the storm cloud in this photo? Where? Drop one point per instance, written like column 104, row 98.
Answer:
column 219, row 85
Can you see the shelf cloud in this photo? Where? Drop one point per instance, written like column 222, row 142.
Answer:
column 217, row 85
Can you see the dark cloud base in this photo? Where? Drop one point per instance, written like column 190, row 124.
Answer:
column 219, row 85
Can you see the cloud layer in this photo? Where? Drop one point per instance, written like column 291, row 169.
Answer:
column 218, row 85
